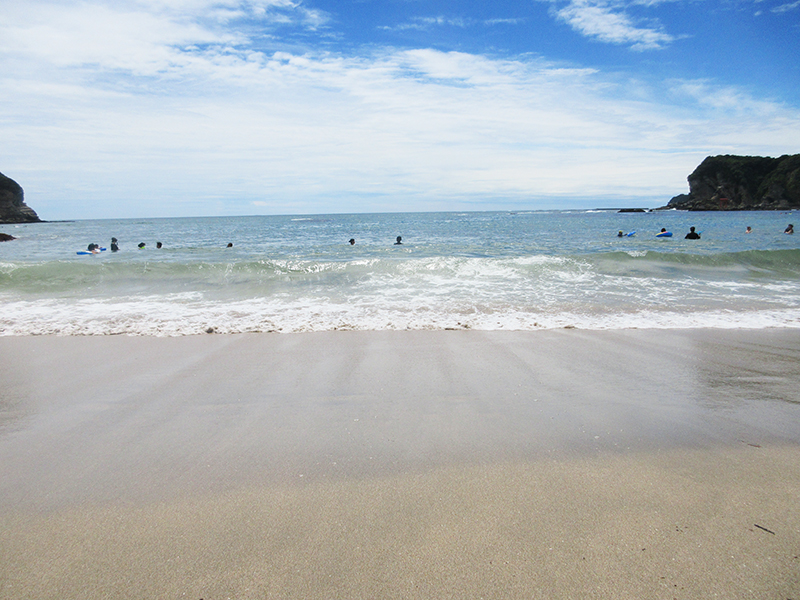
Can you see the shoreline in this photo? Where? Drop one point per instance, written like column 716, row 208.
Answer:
column 544, row 464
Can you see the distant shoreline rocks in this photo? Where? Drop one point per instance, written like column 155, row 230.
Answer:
column 730, row 182
column 12, row 203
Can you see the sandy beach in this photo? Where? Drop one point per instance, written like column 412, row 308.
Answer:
column 419, row 464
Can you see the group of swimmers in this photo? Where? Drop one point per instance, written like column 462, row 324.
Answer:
column 693, row 235
column 95, row 248
column 398, row 241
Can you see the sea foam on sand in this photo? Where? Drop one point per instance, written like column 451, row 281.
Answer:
column 552, row 464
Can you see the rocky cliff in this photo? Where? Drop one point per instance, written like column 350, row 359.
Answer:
column 12, row 203
column 743, row 183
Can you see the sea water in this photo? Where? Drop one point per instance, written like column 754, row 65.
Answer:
column 475, row 270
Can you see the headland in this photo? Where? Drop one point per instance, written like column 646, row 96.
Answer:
column 742, row 183
column 12, row 203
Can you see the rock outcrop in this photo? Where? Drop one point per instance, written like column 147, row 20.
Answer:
column 742, row 183
column 12, row 203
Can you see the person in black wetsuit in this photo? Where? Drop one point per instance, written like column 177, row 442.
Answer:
column 114, row 246
column 692, row 235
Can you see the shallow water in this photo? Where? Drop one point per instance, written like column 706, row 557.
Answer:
column 495, row 270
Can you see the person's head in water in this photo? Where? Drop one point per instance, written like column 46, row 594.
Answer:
column 141, row 245
column 620, row 234
column 663, row 230
column 352, row 241
column 230, row 245
column 158, row 244
column 399, row 240
column 789, row 229
column 749, row 229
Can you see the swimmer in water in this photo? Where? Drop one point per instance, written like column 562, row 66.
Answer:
column 352, row 242
column 692, row 235
column 399, row 241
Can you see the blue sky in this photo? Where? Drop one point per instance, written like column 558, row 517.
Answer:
column 194, row 107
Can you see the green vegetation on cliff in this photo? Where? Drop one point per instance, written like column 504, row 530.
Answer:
column 743, row 183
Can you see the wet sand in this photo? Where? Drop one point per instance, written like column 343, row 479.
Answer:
column 450, row 464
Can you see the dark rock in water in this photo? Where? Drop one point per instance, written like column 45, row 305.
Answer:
column 4, row 237
column 631, row 210
column 742, row 183
column 12, row 203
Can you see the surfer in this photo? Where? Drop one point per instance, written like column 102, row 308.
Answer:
column 789, row 229
column 692, row 235
column 141, row 245
column 399, row 241
column 114, row 246
column 620, row 234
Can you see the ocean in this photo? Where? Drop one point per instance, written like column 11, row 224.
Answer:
column 521, row 270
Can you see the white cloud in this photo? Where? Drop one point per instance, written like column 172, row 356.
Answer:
column 426, row 23
column 185, row 117
column 503, row 21
column 610, row 24
column 786, row 7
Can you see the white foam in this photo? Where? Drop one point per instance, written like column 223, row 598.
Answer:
column 185, row 315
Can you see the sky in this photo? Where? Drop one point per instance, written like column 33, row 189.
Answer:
column 162, row 108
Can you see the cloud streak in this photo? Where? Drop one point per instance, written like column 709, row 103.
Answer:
column 611, row 24
column 783, row 8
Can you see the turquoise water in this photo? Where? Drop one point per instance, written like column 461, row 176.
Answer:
column 495, row 270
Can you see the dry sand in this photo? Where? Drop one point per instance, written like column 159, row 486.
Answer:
column 552, row 464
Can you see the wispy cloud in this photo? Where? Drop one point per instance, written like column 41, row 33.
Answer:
column 611, row 24
column 427, row 23
column 500, row 21
column 786, row 7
